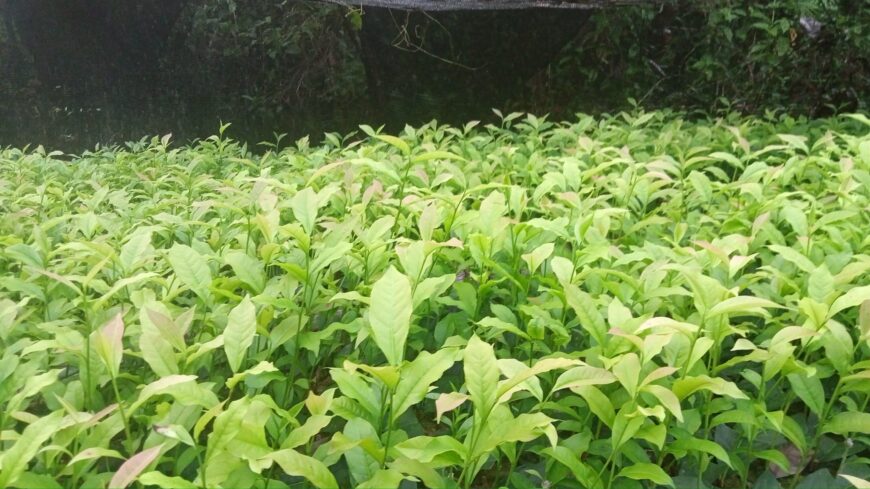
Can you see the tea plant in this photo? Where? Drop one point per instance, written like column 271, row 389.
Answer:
column 626, row 302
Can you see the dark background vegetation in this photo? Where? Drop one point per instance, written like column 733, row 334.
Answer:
column 74, row 73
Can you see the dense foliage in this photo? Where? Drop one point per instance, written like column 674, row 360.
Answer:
column 623, row 302
column 810, row 56
column 85, row 71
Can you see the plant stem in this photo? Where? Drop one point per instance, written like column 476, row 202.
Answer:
column 120, row 402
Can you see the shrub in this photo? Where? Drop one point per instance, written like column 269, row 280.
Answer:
column 631, row 301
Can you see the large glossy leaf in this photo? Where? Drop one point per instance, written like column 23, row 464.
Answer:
column 135, row 249
column 848, row 422
column 646, row 471
column 305, row 205
column 481, row 375
column 590, row 317
column 417, row 377
column 248, row 269
column 541, row 366
column 741, row 305
column 699, row 445
column 390, row 314
column 853, row 298
column 156, row 341
column 313, row 470
column 809, row 390
column 191, row 269
column 239, row 333
column 688, row 385
column 438, row 451
column 583, row 375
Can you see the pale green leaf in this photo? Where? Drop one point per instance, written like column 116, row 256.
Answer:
column 809, row 390
column 395, row 142
column 854, row 297
column 15, row 459
column 248, row 269
column 541, row 366
column 536, row 257
column 583, row 375
column 699, row 445
column 390, row 314
column 667, row 398
column 305, row 205
column 481, row 375
column 432, row 288
column 92, row 453
column 741, row 304
column 301, row 435
column 155, row 478
column 820, row 284
column 175, row 432
column 298, row 465
column 686, row 386
column 192, row 269
column 418, row 376
column 598, row 403
column 849, row 422
column 795, row 257
column 442, row 450
column 383, row 479
column 239, row 333
column 647, row 471
column 856, row 482
column 448, row 402
column 135, row 250
column 587, row 312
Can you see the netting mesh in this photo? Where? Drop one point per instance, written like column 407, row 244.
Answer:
column 433, row 5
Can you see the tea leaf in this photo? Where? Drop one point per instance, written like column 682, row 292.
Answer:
column 645, row 471
column 417, row 378
column 390, row 314
column 191, row 269
column 109, row 344
column 590, row 318
column 686, row 386
column 383, row 479
column 248, row 269
column 239, row 333
column 481, row 375
column 130, row 470
column 582, row 376
column 14, row 460
column 810, row 391
column 295, row 464
column 699, row 445
column 849, row 422
column 448, row 402
column 158, row 479
column 305, row 205
column 395, row 142
column 741, row 304
column 854, row 297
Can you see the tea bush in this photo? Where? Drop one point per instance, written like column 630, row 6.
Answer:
column 630, row 301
